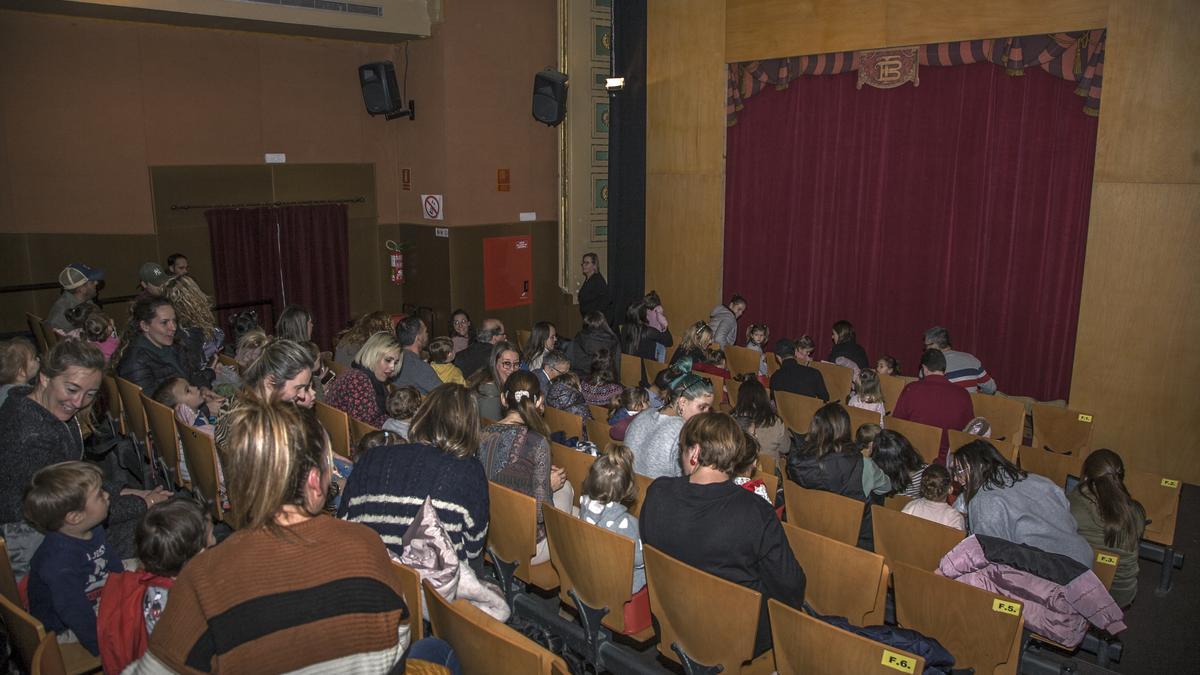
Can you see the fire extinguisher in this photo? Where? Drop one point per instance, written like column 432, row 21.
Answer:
column 396, row 261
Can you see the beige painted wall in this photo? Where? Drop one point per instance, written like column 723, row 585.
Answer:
column 1135, row 356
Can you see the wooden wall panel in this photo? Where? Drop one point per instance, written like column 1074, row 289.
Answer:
column 916, row 22
column 1136, row 361
column 1148, row 130
column 685, row 148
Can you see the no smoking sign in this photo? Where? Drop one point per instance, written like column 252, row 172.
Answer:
column 431, row 207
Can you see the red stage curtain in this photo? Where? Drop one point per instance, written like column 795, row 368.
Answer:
column 245, row 260
column 962, row 202
column 316, row 248
column 292, row 254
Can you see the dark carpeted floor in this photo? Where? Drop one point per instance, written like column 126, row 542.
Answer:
column 1164, row 633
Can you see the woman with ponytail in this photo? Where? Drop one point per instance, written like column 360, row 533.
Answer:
column 653, row 435
column 515, row 452
column 1109, row 518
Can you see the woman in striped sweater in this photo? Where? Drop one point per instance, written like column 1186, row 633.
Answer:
column 291, row 589
column 390, row 483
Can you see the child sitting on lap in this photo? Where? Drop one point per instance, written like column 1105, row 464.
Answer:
column 402, row 404
column 608, row 488
column 935, row 487
column 70, row 568
column 631, row 402
column 169, row 535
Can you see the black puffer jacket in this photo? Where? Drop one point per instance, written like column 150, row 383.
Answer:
column 147, row 365
column 585, row 345
column 32, row 438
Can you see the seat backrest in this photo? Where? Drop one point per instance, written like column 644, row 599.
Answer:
column 161, row 421
column 570, row 424
column 577, row 465
column 200, row 453
column 631, row 371
column 410, row 585
column 8, row 580
column 838, row 379
column 131, row 403
column 772, row 363
column 843, row 580
column 797, row 411
column 337, row 367
column 960, row 438
column 892, row 386
column 642, row 483
column 484, row 645
column 1104, row 564
column 926, row 440
column 1005, row 415
column 901, row 538
column 805, row 644
column 230, row 362
column 358, row 429
column 718, row 386
column 596, row 563
column 599, row 412
column 770, row 482
column 599, row 432
column 337, row 425
column 1052, row 465
column 1159, row 495
column 741, row 360
column 712, row 620
column 982, row 630
column 826, row 513
column 1061, row 429
column 896, row 502
column 48, row 658
column 522, row 339
column 859, row 417
column 51, row 336
column 25, row 633
column 512, row 527
column 112, row 401
column 653, row 368
column 733, row 387
column 39, row 332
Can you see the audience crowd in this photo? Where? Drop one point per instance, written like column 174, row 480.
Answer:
column 299, row 574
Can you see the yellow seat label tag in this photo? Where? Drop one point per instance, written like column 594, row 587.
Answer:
column 900, row 662
column 1006, row 607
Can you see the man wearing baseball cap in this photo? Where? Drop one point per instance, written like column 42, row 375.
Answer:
column 151, row 279
column 79, row 283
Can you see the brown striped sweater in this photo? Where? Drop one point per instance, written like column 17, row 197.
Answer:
column 321, row 598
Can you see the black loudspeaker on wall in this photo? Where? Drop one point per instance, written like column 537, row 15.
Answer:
column 380, row 93
column 550, row 97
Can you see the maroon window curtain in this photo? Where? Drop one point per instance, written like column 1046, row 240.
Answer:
column 962, row 202
column 315, row 245
column 291, row 254
column 245, row 260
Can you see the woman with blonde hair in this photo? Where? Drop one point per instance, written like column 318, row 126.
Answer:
column 279, row 470
column 694, row 344
column 515, row 452
column 352, row 339
column 390, row 483
column 361, row 392
column 199, row 336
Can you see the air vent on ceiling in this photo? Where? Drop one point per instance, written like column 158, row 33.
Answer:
column 325, row 5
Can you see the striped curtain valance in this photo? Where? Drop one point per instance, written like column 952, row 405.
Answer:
column 1077, row 57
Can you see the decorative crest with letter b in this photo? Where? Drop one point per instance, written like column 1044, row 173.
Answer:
column 887, row 68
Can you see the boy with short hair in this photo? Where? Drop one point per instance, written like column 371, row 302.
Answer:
column 441, row 359
column 67, row 502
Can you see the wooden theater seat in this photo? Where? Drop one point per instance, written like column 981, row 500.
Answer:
column 135, row 415
column 337, row 425
column 48, row 659
column 711, row 620
column 161, row 421
column 1062, row 430
column 410, row 585
column 112, row 402
column 838, row 379
column 598, row 565
column 1052, row 465
column 825, row 513
column 522, row 339
column 577, row 465
column 1104, row 564
column 512, row 535
column 901, row 538
column 570, row 424
column 741, row 360
column 642, row 483
column 483, row 644
column 926, row 440
column 599, row 432
column 599, row 412
column 631, row 371
column 859, row 417
column 26, row 634
column 804, row 644
column 797, row 411
column 39, row 332
column 1159, row 495
column 843, row 580
column 960, row 438
column 982, row 630
column 8, row 580
column 200, row 453
column 1006, row 415
column 892, row 385
column 358, row 429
